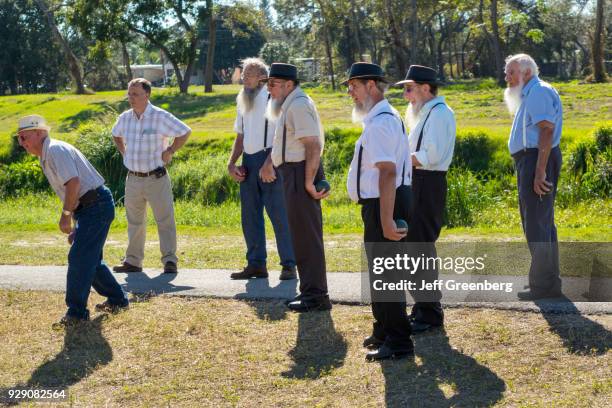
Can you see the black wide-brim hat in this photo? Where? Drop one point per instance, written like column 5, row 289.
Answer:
column 421, row 75
column 365, row 70
column 282, row 71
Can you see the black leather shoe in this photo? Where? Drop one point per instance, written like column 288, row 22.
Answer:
column 529, row 295
column 385, row 353
column 310, row 304
column 68, row 321
column 372, row 342
column 288, row 273
column 126, row 267
column 420, row 327
column 298, row 297
column 251, row 271
column 170, row 267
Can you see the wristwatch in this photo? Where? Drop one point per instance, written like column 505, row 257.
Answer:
column 66, row 212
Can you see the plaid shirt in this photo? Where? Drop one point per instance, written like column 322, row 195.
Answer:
column 146, row 138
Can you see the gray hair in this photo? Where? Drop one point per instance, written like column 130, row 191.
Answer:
column 525, row 63
column 257, row 63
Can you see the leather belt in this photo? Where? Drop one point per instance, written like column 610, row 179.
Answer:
column 158, row 172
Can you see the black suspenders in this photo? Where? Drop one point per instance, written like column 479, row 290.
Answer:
column 265, row 129
column 418, row 147
column 285, row 130
column 361, row 153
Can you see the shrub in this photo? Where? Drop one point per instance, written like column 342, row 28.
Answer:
column 22, row 177
column 466, row 197
column 480, row 153
column 203, row 178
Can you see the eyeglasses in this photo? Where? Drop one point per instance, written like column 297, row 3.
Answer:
column 409, row 89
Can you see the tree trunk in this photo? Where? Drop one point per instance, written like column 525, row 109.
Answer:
column 74, row 65
column 397, row 39
column 599, row 72
column 328, row 50
column 210, row 52
column 126, row 61
column 496, row 42
column 439, row 52
column 414, row 22
column 356, row 30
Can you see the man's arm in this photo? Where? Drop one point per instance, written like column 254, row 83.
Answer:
column 70, row 203
column 237, row 150
column 312, row 145
column 386, row 188
column 174, row 147
column 540, row 185
column 120, row 145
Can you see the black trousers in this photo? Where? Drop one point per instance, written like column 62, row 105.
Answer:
column 538, row 219
column 391, row 322
column 306, row 228
column 429, row 199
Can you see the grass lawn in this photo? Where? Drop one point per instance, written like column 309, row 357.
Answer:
column 223, row 353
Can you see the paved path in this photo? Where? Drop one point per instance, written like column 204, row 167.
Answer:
column 343, row 288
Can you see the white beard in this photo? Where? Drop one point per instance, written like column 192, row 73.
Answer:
column 412, row 114
column 513, row 97
column 246, row 98
column 360, row 110
column 273, row 109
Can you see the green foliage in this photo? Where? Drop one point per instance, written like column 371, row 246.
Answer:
column 204, row 179
column 465, row 198
column 22, row 177
column 96, row 143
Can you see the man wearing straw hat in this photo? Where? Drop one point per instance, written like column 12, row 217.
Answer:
column 87, row 213
column 432, row 141
column 296, row 155
column 379, row 180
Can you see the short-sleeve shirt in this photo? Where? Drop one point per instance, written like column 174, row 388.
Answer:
column 61, row 162
column 146, row 137
column 439, row 134
column 383, row 140
column 300, row 116
column 252, row 125
column 540, row 102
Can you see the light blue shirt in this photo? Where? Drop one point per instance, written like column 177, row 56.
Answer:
column 540, row 102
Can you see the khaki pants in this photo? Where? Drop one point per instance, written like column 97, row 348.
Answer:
column 158, row 193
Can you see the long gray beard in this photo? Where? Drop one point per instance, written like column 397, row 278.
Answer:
column 412, row 114
column 246, row 98
column 513, row 97
column 273, row 109
column 360, row 110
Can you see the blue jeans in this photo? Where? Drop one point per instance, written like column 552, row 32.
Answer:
column 86, row 268
column 254, row 196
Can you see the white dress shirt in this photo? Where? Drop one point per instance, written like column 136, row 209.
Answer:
column 252, row 125
column 146, row 137
column 383, row 140
column 438, row 143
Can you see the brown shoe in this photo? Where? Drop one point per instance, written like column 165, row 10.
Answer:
column 288, row 273
column 170, row 267
column 111, row 308
column 251, row 271
column 126, row 267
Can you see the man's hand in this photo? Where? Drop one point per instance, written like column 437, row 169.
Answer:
column 236, row 172
column 65, row 223
column 390, row 230
column 267, row 172
column 167, row 155
column 317, row 195
column 540, row 185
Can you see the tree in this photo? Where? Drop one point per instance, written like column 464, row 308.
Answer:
column 599, row 71
column 73, row 63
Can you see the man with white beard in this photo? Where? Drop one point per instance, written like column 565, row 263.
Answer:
column 296, row 155
column 379, row 180
column 254, row 134
column 534, row 146
column 432, row 142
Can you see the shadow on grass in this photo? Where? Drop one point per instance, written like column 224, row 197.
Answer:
column 468, row 383
column 192, row 106
column 97, row 110
column 319, row 347
column 579, row 334
column 257, row 290
column 85, row 350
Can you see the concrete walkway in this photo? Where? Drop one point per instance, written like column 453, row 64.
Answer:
column 343, row 288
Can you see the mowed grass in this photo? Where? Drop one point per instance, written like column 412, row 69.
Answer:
column 477, row 105
column 168, row 351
